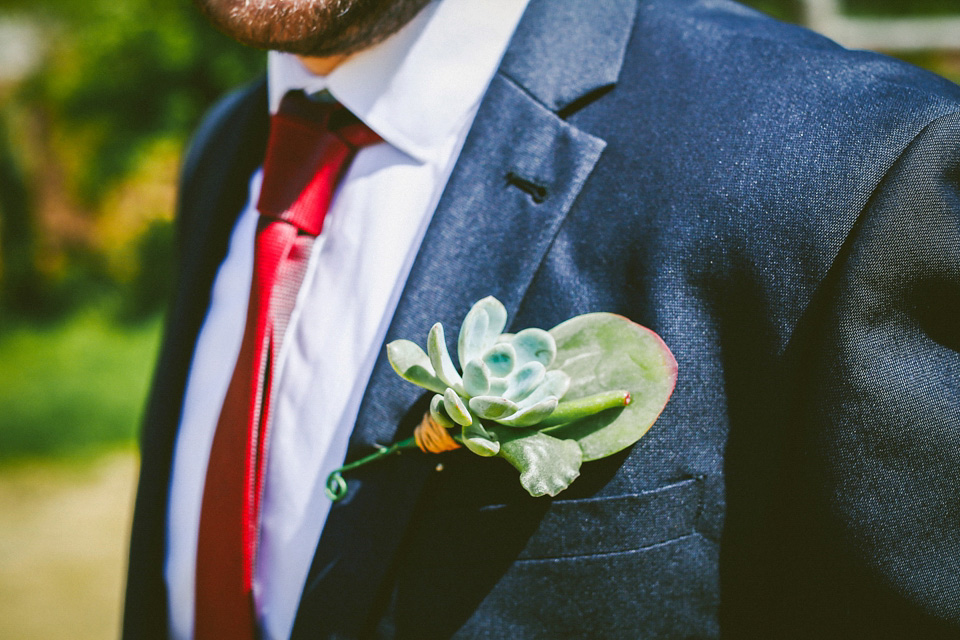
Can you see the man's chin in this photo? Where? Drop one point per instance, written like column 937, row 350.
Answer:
column 310, row 27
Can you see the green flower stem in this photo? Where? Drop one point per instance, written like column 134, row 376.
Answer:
column 337, row 487
column 582, row 407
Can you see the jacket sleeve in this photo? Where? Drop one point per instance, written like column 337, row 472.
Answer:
column 879, row 412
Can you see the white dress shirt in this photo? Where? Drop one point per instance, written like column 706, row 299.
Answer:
column 419, row 90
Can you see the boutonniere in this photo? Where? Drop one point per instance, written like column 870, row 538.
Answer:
column 544, row 401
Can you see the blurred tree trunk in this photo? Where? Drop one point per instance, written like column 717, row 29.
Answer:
column 19, row 278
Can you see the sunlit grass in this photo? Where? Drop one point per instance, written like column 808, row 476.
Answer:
column 73, row 387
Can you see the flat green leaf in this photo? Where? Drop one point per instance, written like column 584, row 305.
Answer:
column 603, row 352
column 547, row 465
column 479, row 440
column 413, row 365
column 480, row 329
column 440, row 358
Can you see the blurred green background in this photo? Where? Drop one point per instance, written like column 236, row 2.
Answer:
column 97, row 100
column 91, row 131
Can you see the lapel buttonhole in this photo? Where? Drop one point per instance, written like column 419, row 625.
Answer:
column 537, row 192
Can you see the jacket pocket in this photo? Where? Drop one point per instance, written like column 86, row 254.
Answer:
column 618, row 523
column 628, row 565
column 664, row 591
column 537, row 528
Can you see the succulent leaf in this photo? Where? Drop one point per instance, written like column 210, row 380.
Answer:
column 480, row 441
column 439, row 413
column 603, row 351
column 455, row 408
column 555, row 383
column 473, row 332
column 531, row 415
column 500, row 359
column 573, row 410
column 476, row 378
column 535, row 345
column 547, row 465
column 498, row 386
column 492, row 407
column 413, row 365
column 480, row 329
column 440, row 358
column 524, row 380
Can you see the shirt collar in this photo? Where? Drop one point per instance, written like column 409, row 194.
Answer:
column 418, row 87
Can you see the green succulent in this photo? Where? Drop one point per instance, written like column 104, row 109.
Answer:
column 506, row 378
column 545, row 402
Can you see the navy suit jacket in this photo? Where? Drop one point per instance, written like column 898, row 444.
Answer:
column 784, row 213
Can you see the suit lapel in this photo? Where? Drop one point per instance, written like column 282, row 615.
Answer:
column 520, row 171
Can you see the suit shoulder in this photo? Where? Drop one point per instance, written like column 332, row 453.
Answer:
column 225, row 149
column 749, row 54
column 724, row 77
column 223, row 120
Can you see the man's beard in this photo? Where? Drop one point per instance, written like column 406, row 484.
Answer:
column 310, row 27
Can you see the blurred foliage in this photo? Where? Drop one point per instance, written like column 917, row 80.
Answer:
column 788, row 10
column 119, row 74
column 73, row 385
column 89, row 152
column 152, row 282
column 792, row 10
column 901, row 7
column 17, row 233
column 90, row 146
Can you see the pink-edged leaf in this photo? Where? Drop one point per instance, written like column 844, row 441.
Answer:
column 604, row 351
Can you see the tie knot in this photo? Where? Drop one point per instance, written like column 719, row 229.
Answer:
column 310, row 146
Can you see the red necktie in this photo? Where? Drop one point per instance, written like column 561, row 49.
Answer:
column 310, row 146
